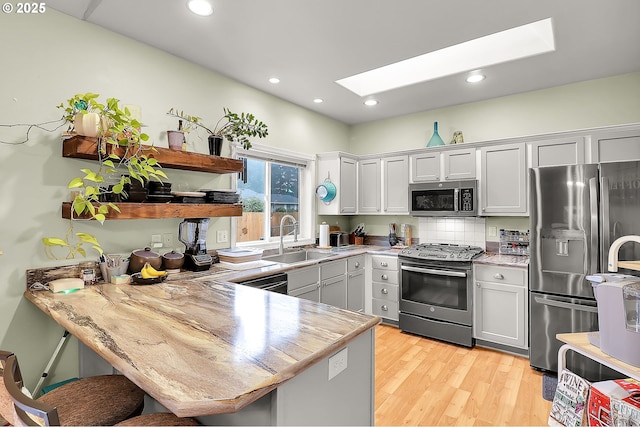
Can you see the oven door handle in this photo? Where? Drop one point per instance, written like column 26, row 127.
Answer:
column 436, row 272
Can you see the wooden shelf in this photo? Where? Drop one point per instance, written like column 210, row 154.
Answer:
column 165, row 210
column 82, row 147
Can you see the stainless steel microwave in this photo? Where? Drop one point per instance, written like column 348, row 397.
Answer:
column 449, row 198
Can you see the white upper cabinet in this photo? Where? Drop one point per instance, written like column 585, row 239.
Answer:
column 446, row 165
column 557, row 152
column 425, row 167
column 395, row 184
column 369, row 186
column 503, row 181
column 342, row 171
column 459, row 164
column 615, row 145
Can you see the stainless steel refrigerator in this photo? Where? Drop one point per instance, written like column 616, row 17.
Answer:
column 576, row 213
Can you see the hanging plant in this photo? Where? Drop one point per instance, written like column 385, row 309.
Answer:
column 117, row 129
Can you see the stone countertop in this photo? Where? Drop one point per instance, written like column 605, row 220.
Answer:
column 504, row 260
column 203, row 346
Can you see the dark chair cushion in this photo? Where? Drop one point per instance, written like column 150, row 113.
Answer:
column 159, row 419
column 96, row 401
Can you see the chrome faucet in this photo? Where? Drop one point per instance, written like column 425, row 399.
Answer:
column 295, row 231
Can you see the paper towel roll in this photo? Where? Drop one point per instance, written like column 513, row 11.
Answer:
column 324, row 235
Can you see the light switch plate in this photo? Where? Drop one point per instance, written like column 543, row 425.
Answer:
column 222, row 236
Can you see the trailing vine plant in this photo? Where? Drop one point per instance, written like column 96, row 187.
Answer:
column 120, row 149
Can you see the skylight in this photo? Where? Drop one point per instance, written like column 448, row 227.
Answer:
column 516, row 43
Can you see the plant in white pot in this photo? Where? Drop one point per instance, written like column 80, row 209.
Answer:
column 231, row 126
column 117, row 130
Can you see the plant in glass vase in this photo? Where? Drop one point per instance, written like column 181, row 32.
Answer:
column 120, row 150
column 231, row 126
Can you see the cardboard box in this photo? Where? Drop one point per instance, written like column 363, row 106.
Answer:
column 614, row 403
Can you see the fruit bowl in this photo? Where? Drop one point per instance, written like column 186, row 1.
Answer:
column 137, row 279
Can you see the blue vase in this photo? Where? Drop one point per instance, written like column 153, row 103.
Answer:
column 435, row 139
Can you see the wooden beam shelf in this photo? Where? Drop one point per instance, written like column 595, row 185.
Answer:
column 164, row 210
column 82, row 147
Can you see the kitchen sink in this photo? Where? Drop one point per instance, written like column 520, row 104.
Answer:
column 297, row 256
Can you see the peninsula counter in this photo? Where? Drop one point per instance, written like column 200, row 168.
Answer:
column 201, row 347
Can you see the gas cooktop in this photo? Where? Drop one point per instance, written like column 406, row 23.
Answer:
column 441, row 252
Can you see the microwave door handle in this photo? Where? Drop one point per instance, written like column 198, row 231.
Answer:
column 570, row 306
column 456, row 199
column 436, row 272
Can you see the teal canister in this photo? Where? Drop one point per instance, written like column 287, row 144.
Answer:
column 435, row 138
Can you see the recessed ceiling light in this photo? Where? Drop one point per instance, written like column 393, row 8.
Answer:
column 200, row 7
column 318, row 100
column 475, row 78
column 516, row 43
column 370, row 102
column 274, row 80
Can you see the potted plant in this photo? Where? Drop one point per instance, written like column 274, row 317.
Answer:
column 232, row 126
column 117, row 129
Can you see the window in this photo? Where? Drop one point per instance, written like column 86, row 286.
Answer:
column 274, row 188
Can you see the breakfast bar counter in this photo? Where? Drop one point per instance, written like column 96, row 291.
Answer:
column 202, row 347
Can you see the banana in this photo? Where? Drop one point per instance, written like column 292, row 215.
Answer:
column 148, row 272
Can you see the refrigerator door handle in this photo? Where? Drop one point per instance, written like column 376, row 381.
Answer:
column 562, row 304
column 593, row 201
column 605, row 239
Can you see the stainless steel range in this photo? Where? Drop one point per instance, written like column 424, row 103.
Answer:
column 436, row 291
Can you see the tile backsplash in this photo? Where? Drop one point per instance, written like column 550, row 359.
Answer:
column 463, row 231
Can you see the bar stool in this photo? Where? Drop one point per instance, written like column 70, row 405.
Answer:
column 100, row 400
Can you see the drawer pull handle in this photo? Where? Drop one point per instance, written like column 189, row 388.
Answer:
column 384, row 291
column 357, row 264
column 498, row 276
column 384, row 277
column 384, row 308
column 384, row 264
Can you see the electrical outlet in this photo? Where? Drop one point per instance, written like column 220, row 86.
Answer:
column 337, row 363
column 156, row 241
column 168, row 240
column 223, row 236
column 493, row 231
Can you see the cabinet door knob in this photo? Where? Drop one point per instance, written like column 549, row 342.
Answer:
column 477, row 284
column 383, row 264
column 384, row 291
column 357, row 264
column 384, row 277
column 498, row 276
column 384, row 308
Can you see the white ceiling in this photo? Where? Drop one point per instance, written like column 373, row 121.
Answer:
column 309, row 44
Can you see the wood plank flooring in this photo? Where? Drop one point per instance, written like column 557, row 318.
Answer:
column 420, row 381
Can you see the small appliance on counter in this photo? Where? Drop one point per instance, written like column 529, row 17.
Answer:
column 618, row 297
column 338, row 238
column 192, row 232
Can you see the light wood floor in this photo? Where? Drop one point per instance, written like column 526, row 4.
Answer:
column 427, row 382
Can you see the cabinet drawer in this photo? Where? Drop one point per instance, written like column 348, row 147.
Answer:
column 355, row 263
column 384, row 276
column 301, row 277
column 384, row 291
column 332, row 269
column 499, row 274
column 383, row 308
column 384, row 262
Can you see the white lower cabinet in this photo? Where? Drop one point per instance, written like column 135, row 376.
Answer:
column 500, row 310
column 384, row 286
column 355, row 283
column 304, row 283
